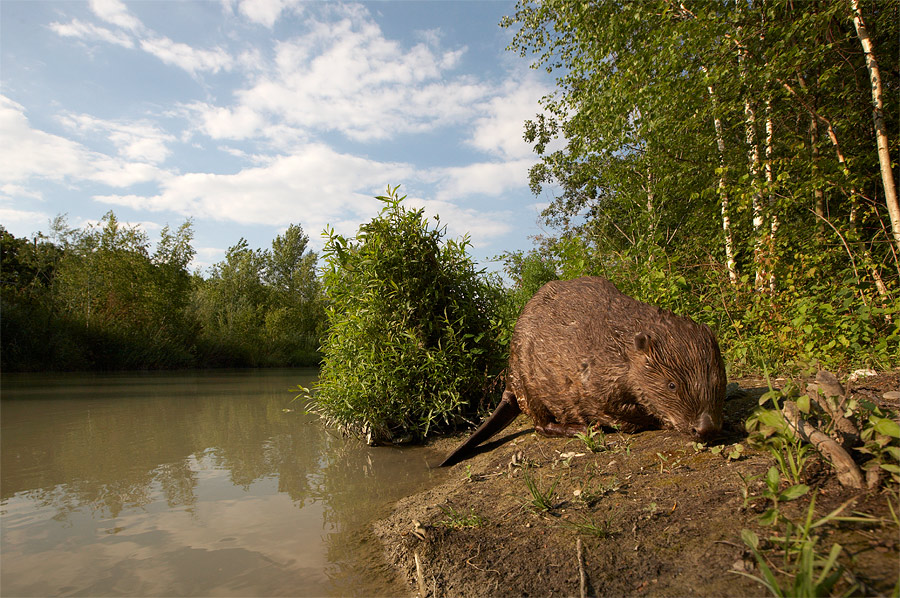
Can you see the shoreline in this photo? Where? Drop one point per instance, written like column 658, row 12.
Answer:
column 650, row 515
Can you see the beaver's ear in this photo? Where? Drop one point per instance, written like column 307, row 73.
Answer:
column 642, row 342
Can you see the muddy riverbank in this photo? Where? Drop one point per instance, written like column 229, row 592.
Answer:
column 650, row 514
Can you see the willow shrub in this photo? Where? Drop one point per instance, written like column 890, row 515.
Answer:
column 412, row 344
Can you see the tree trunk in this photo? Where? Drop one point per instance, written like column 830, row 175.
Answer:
column 753, row 169
column 818, row 194
column 723, row 190
column 770, row 190
column 881, row 140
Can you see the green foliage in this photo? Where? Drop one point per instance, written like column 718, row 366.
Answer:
column 262, row 307
column 879, row 433
column 528, row 273
column 99, row 298
column 813, row 576
column 646, row 145
column 412, row 342
column 541, row 501
column 808, row 573
column 457, row 520
column 776, row 496
column 881, row 437
column 589, row 527
column 594, row 440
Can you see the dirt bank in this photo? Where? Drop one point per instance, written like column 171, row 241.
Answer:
column 652, row 514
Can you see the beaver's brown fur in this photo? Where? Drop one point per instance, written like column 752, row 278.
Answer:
column 583, row 353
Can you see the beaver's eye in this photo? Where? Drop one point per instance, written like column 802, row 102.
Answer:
column 672, row 386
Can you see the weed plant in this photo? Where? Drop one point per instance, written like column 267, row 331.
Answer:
column 594, row 440
column 540, row 501
column 457, row 520
column 770, row 431
column 806, row 572
column 589, row 527
column 806, row 569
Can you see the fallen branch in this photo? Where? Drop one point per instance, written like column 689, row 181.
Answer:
column 420, row 576
column 582, row 576
column 848, row 472
column 825, row 387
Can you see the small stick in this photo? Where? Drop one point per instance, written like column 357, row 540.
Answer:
column 420, row 576
column 474, row 566
column 582, row 576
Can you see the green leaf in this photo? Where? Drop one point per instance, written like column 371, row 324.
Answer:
column 750, row 538
column 773, row 478
column 885, row 426
column 770, row 517
column 794, row 492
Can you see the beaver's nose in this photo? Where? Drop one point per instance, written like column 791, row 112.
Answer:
column 704, row 429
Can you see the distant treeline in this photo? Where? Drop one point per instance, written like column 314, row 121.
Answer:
column 98, row 299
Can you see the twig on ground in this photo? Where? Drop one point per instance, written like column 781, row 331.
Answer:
column 420, row 576
column 582, row 576
column 474, row 566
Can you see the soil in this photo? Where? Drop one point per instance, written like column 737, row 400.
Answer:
column 650, row 515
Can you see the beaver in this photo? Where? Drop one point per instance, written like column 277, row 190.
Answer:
column 585, row 354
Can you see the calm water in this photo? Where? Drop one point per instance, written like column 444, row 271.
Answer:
column 168, row 484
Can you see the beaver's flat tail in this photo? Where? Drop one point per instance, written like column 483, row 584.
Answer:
column 502, row 416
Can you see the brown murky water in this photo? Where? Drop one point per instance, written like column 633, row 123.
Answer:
column 197, row 483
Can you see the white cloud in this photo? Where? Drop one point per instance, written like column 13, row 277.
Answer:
column 32, row 153
column 265, row 12
column 241, row 122
column 140, row 141
column 187, row 57
column 485, row 178
column 29, row 152
column 339, row 73
column 500, row 131
column 21, row 220
column 115, row 12
column 181, row 55
column 91, row 32
column 315, row 185
column 9, row 191
column 346, row 76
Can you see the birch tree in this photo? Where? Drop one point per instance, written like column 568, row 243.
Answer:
column 640, row 173
column 881, row 139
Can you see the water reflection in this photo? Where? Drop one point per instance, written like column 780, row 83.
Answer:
column 187, row 484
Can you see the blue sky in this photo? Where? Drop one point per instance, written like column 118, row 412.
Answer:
column 250, row 115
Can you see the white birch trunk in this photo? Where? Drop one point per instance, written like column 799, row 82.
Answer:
column 818, row 194
column 770, row 190
column 753, row 169
column 723, row 191
column 884, row 158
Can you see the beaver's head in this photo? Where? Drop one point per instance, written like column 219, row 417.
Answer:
column 678, row 370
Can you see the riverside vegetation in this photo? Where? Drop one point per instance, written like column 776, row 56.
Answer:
column 98, row 298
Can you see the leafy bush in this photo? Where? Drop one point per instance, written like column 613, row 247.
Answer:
column 412, row 342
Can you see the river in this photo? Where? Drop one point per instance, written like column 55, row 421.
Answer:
column 208, row 483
